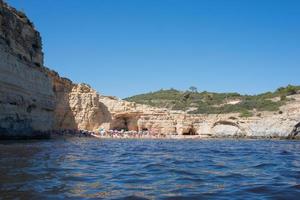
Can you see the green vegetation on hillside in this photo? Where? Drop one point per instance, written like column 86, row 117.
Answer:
column 216, row 103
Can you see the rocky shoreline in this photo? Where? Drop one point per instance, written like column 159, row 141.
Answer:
column 146, row 135
column 36, row 102
column 130, row 135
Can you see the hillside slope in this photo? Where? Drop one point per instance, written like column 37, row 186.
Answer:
column 217, row 103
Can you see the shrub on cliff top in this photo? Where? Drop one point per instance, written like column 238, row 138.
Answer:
column 246, row 113
column 215, row 103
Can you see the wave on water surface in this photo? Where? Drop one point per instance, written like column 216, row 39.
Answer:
column 89, row 168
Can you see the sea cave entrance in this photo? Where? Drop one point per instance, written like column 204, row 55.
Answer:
column 190, row 131
column 125, row 123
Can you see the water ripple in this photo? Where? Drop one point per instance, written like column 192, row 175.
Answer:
column 84, row 168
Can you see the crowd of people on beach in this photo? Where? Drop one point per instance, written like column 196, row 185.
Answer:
column 127, row 134
column 73, row 132
column 102, row 133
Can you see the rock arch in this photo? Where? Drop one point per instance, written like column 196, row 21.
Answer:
column 226, row 123
column 227, row 129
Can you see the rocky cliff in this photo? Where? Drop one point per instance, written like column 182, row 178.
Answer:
column 26, row 95
column 131, row 116
column 35, row 99
column 77, row 106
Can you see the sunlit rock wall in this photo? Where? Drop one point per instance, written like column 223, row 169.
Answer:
column 26, row 96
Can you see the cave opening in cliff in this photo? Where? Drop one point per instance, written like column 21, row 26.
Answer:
column 190, row 131
column 120, row 124
column 124, row 123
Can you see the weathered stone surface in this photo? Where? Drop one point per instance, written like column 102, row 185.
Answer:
column 77, row 106
column 26, row 96
column 128, row 115
column 18, row 33
column 88, row 111
column 34, row 99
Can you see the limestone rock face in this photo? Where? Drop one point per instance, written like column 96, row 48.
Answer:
column 63, row 116
column 131, row 116
column 26, row 96
column 77, row 106
column 87, row 110
column 18, row 33
column 34, row 98
column 268, row 125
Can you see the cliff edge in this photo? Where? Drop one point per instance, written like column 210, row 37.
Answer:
column 26, row 95
column 35, row 100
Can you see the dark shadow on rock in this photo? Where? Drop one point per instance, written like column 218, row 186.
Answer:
column 295, row 132
column 105, row 114
column 63, row 115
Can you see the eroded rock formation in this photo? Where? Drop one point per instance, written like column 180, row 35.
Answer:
column 131, row 116
column 26, row 96
column 35, row 99
column 77, row 106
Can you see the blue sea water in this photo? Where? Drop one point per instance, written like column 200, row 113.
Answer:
column 87, row 168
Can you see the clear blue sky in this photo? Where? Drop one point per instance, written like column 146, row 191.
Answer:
column 127, row 47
